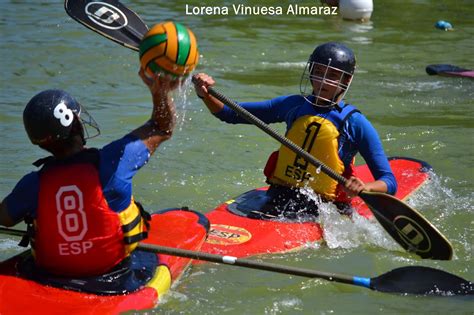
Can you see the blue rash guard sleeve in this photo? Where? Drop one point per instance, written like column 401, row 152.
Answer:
column 23, row 200
column 371, row 149
column 119, row 162
column 269, row 111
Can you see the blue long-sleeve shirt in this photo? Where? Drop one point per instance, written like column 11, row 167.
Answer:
column 357, row 135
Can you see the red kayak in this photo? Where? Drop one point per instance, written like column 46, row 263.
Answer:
column 179, row 228
column 229, row 234
column 234, row 234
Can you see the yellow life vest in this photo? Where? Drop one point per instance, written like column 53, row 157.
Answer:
column 318, row 135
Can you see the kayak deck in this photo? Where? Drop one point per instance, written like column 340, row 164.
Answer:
column 21, row 296
column 240, row 236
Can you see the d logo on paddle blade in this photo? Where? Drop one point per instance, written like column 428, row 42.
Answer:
column 106, row 15
column 412, row 234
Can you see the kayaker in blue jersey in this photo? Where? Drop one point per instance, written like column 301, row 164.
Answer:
column 322, row 123
column 83, row 218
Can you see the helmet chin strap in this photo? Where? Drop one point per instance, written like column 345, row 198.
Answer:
column 84, row 141
column 78, row 128
column 329, row 103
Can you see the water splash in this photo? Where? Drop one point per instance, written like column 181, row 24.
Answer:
column 452, row 212
column 285, row 305
column 437, row 193
column 182, row 101
column 342, row 231
column 173, row 296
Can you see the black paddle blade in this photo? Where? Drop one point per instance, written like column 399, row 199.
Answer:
column 422, row 281
column 109, row 18
column 440, row 68
column 408, row 227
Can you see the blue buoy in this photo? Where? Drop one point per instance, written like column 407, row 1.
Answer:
column 443, row 25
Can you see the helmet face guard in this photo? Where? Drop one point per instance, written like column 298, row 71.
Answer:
column 328, row 74
column 323, row 85
column 90, row 127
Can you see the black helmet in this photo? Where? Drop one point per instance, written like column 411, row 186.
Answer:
column 332, row 56
column 54, row 115
column 335, row 55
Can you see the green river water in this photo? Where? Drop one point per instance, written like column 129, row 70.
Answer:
column 207, row 162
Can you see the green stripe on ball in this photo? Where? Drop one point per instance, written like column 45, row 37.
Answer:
column 151, row 42
column 184, row 44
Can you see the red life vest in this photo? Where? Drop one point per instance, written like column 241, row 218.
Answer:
column 75, row 231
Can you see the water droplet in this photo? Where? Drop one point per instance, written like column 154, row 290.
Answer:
column 318, row 170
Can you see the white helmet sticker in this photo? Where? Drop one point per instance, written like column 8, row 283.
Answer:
column 64, row 114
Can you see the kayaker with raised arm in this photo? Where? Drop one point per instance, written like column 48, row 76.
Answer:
column 83, row 218
column 320, row 122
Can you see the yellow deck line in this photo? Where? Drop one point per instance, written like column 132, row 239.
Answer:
column 161, row 281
